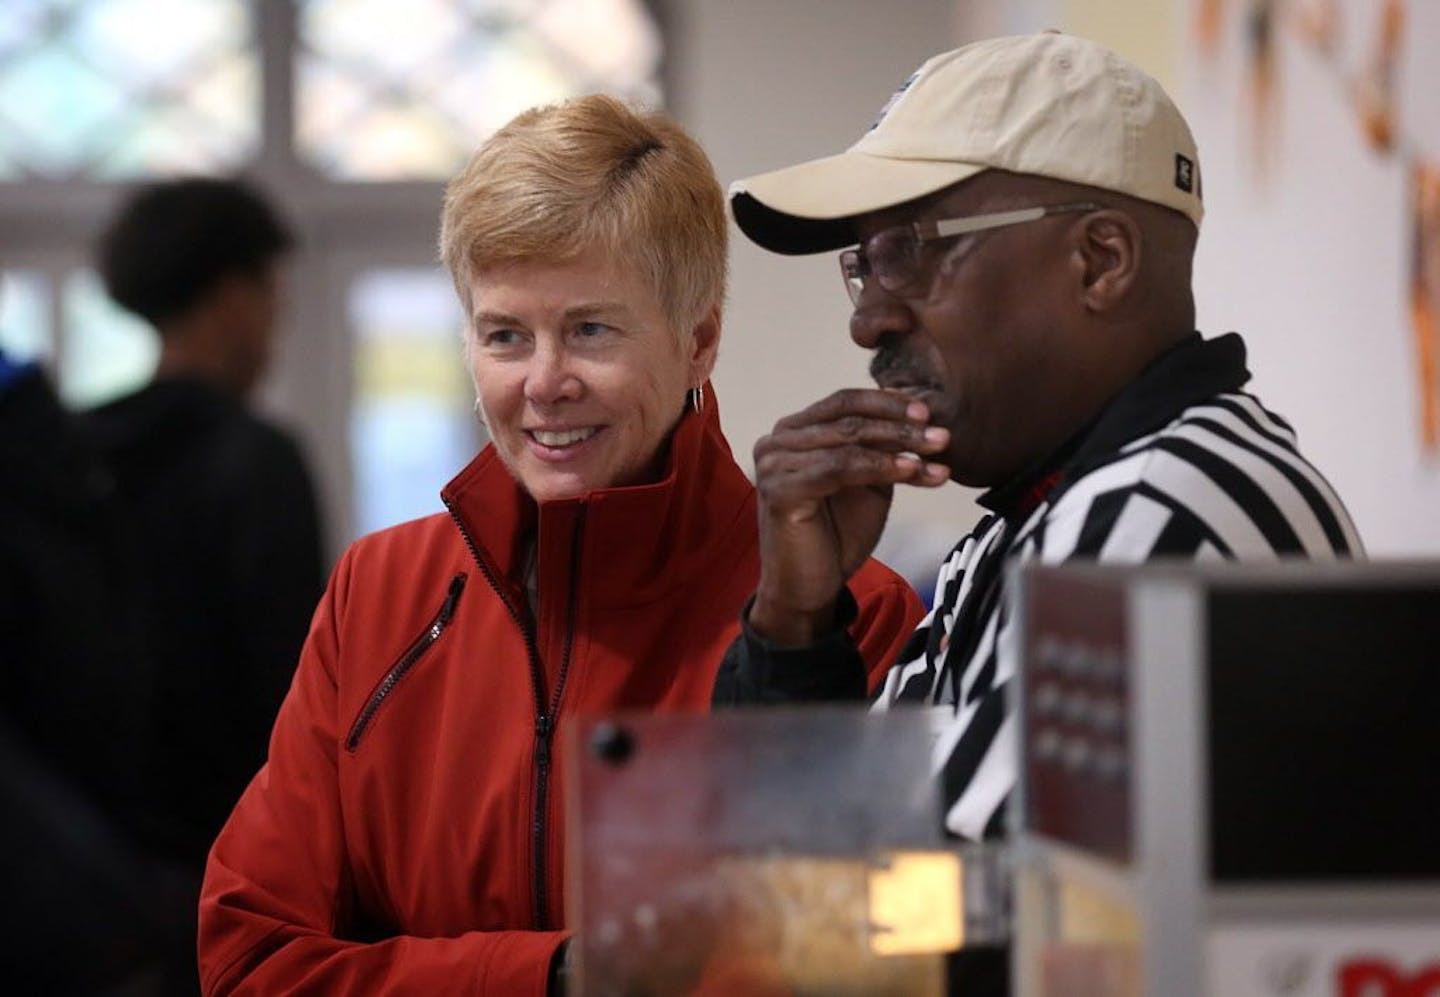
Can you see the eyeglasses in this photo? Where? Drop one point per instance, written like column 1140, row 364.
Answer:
column 895, row 256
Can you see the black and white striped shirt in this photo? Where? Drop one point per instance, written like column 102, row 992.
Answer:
column 1182, row 464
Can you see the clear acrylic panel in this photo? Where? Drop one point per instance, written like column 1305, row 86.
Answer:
column 412, row 427
column 390, row 91
column 107, row 351
column 792, row 851
column 118, row 89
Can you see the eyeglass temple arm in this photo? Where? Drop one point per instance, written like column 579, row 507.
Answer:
column 978, row 223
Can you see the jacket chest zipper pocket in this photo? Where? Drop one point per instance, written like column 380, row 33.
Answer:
column 405, row 664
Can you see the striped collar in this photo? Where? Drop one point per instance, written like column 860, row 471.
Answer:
column 1191, row 371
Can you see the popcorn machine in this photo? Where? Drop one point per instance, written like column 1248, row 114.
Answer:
column 1230, row 781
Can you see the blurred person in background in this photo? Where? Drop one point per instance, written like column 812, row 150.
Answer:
column 405, row 835
column 94, row 912
column 221, row 499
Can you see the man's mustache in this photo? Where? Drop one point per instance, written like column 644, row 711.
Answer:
column 892, row 364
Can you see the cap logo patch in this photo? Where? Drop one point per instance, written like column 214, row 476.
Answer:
column 1184, row 174
column 893, row 98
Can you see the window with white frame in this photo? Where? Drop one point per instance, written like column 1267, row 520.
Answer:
column 351, row 114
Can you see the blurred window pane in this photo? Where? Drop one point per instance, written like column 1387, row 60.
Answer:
column 392, row 91
column 117, row 89
column 412, row 427
column 26, row 320
column 108, row 352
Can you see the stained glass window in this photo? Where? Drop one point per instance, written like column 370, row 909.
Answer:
column 123, row 88
column 406, row 91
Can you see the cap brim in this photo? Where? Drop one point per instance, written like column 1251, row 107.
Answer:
column 810, row 208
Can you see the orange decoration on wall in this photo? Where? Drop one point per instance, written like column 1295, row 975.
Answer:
column 1375, row 89
column 1260, row 42
column 1373, row 93
column 1318, row 22
column 1425, row 296
column 1208, row 16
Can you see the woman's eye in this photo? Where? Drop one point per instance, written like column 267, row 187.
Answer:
column 499, row 337
column 590, row 330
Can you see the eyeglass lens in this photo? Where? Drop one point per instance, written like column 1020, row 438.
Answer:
column 891, row 256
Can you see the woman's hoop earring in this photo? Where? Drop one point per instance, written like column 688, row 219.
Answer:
column 696, row 397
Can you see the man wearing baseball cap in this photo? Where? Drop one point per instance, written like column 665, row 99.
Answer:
column 1016, row 235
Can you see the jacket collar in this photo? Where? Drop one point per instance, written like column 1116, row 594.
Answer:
column 1184, row 375
column 636, row 542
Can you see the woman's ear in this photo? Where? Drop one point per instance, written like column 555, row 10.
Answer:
column 1108, row 253
column 704, row 345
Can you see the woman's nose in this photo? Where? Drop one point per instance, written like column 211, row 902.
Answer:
column 550, row 377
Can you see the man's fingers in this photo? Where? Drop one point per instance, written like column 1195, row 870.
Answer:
column 929, row 475
column 856, row 437
column 787, row 477
column 867, row 403
column 925, row 473
column 854, row 430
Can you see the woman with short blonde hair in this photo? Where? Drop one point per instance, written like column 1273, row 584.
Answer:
column 557, row 180
column 404, row 835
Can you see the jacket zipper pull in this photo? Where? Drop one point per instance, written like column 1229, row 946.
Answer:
column 457, row 585
column 544, row 727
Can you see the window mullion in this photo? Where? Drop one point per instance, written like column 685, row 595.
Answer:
column 56, row 273
column 276, row 38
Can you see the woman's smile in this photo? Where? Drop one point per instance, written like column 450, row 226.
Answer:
column 560, row 445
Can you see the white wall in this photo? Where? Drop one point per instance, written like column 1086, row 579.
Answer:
column 1310, row 262
column 764, row 84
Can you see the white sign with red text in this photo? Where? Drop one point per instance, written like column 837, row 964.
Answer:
column 1325, row 959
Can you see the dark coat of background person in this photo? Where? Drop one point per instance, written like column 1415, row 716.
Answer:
column 220, row 500
column 226, row 516
column 92, row 911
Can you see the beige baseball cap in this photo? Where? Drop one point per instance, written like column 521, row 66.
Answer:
column 1050, row 104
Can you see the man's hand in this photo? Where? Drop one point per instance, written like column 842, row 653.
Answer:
column 825, row 477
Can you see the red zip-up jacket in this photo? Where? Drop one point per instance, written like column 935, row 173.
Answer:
column 405, row 835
